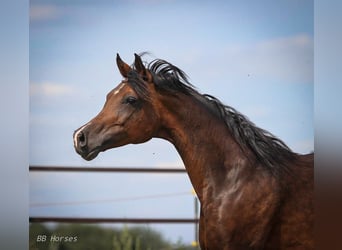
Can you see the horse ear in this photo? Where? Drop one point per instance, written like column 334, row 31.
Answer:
column 140, row 68
column 124, row 68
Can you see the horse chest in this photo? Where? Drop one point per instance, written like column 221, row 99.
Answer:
column 219, row 213
column 236, row 217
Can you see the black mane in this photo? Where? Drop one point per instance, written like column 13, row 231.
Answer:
column 270, row 151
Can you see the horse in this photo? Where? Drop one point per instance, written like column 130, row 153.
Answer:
column 254, row 192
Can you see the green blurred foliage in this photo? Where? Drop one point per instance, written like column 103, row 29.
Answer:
column 91, row 237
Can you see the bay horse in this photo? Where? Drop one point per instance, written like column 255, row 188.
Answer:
column 254, row 192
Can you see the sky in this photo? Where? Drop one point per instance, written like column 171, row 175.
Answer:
column 256, row 56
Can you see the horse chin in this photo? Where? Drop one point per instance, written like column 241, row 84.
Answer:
column 91, row 155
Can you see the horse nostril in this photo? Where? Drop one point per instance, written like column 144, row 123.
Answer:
column 81, row 139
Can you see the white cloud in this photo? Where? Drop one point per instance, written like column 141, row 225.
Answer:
column 50, row 89
column 172, row 164
column 44, row 12
column 288, row 59
column 304, row 146
column 257, row 111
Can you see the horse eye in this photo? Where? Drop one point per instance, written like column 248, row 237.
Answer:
column 131, row 100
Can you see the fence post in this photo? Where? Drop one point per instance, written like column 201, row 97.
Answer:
column 195, row 243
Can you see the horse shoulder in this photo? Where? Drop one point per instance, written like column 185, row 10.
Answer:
column 241, row 214
column 294, row 227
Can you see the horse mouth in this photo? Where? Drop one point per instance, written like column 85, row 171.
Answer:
column 91, row 155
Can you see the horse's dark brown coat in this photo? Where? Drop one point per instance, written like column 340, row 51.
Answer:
column 247, row 201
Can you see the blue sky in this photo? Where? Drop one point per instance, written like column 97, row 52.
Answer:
column 256, row 56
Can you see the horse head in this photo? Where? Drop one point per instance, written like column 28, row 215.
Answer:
column 128, row 115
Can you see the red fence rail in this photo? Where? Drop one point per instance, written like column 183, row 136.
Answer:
column 194, row 220
column 111, row 220
column 106, row 169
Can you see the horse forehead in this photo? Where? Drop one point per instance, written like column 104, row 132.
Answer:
column 114, row 92
column 119, row 88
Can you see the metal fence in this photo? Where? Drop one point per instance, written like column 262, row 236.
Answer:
column 88, row 220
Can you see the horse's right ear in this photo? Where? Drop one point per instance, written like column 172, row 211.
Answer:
column 124, row 68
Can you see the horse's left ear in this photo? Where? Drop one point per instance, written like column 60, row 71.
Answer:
column 140, row 68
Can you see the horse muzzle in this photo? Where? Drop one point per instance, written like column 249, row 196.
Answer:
column 81, row 145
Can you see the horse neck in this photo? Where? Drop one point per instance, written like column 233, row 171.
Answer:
column 202, row 139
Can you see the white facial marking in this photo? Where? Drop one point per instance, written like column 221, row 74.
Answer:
column 84, row 126
column 78, row 131
column 119, row 88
